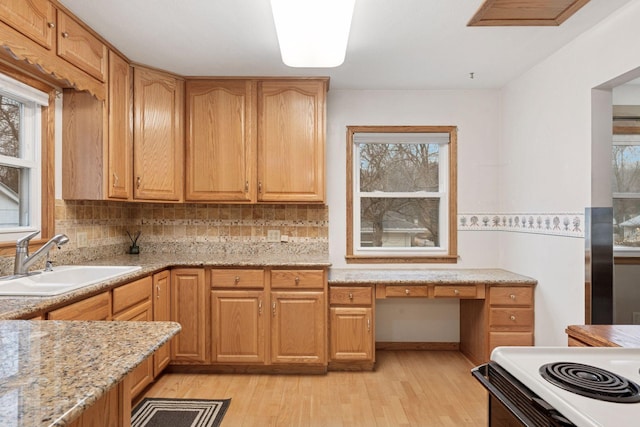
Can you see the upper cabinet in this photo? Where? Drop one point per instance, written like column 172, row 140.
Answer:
column 35, row 19
column 158, row 135
column 256, row 140
column 81, row 48
column 220, row 140
column 291, row 140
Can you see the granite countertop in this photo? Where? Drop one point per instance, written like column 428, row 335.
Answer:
column 428, row 276
column 14, row 307
column 51, row 371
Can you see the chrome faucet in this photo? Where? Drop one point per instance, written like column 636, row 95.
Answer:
column 23, row 261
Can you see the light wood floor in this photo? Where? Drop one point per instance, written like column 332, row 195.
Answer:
column 408, row 388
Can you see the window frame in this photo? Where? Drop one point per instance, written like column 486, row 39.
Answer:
column 625, row 138
column 45, row 158
column 446, row 255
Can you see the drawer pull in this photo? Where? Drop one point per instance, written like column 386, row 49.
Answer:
column 457, row 292
column 368, row 325
column 273, row 309
column 406, row 292
column 237, row 279
column 65, row 35
column 51, row 24
column 297, row 280
column 138, row 182
column 512, row 296
column 512, row 317
column 260, row 308
column 158, row 290
column 350, row 296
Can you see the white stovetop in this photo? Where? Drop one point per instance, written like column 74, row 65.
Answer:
column 523, row 363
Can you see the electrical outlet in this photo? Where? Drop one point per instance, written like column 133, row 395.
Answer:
column 273, row 235
column 284, row 238
column 82, row 240
column 636, row 317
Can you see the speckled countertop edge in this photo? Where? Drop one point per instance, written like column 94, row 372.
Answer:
column 57, row 369
column 493, row 276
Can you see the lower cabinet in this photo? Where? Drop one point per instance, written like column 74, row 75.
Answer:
column 161, row 312
column 133, row 302
column 351, row 327
column 112, row 410
column 189, row 307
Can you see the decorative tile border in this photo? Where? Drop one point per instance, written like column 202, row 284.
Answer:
column 554, row 224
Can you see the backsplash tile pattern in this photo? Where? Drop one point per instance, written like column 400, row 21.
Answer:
column 184, row 228
column 555, row 224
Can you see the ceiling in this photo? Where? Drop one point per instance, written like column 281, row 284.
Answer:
column 394, row 44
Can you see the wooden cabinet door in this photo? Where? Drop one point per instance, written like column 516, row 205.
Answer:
column 298, row 327
column 352, row 336
column 97, row 307
column 158, row 135
column 291, row 141
column 35, row 19
column 238, row 323
column 161, row 312
column 189, row 308
column 220, row 140
column 81, row 48
column 120, row 149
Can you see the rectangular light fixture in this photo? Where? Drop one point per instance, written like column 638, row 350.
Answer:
column 312, row 33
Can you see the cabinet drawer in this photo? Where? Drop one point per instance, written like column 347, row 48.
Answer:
column 298, row 279
column 511, row 296
column 97, row 307
column 498, row 339
column 237, row 279
column 351, row 296
column 406, row 291
column 511, row 317
column 460, row 291
column 132, row 294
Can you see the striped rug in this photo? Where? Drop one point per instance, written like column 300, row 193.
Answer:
column 179, row 412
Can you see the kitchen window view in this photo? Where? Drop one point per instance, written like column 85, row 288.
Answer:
column 626, row 192
column 20, row 141
column 401, row 191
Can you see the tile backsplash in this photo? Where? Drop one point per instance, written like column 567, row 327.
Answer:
column 185, row 228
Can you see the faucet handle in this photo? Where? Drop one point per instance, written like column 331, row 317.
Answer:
column 24, row 241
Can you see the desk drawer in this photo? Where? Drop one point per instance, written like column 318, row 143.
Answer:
column 459, row 291
column 510, row 295
column 237, row 279
column 413, row 291
column 297, row 279
column 511, row 317
column 359, row 295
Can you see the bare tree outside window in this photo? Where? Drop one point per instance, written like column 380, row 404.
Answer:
column 626, row 195
column 10, row 122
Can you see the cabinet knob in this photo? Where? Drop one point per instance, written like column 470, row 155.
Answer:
column 350, row 296
column 237, row 279
column 297, row 280
column 512, row 296
column 65, row 35
column 51, row 24
column 406, row 291
column 138, row 182
column 512, row 317
column 457, row 292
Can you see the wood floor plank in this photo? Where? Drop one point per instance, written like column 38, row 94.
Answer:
column 408, row 388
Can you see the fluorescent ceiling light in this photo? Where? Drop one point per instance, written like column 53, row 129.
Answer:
column 312, row 33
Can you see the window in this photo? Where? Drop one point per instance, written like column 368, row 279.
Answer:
column 626, row 192
column 401, row 194
column 21, row 125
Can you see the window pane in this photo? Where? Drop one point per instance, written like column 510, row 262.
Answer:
column 13, row 196
column 399, row 222
column 626, row 169
column 399, row 167
column 626, row 222
column 10, row 124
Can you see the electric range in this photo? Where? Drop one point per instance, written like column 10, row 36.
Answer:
column 562, row 386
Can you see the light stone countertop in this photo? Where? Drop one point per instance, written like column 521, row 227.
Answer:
column 427, row 276
column 16, row 307
column 51, row 371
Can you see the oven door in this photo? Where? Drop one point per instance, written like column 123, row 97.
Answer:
column 511, row 404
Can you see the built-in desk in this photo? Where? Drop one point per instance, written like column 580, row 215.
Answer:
column 496, row 308
column 604, row 336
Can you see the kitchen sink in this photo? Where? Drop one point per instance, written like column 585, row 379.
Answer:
column 62, row 279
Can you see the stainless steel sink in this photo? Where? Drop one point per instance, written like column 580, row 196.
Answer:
column 62, row 279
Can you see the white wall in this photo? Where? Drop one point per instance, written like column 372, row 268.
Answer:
column 476, row 114
column 545, row 153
